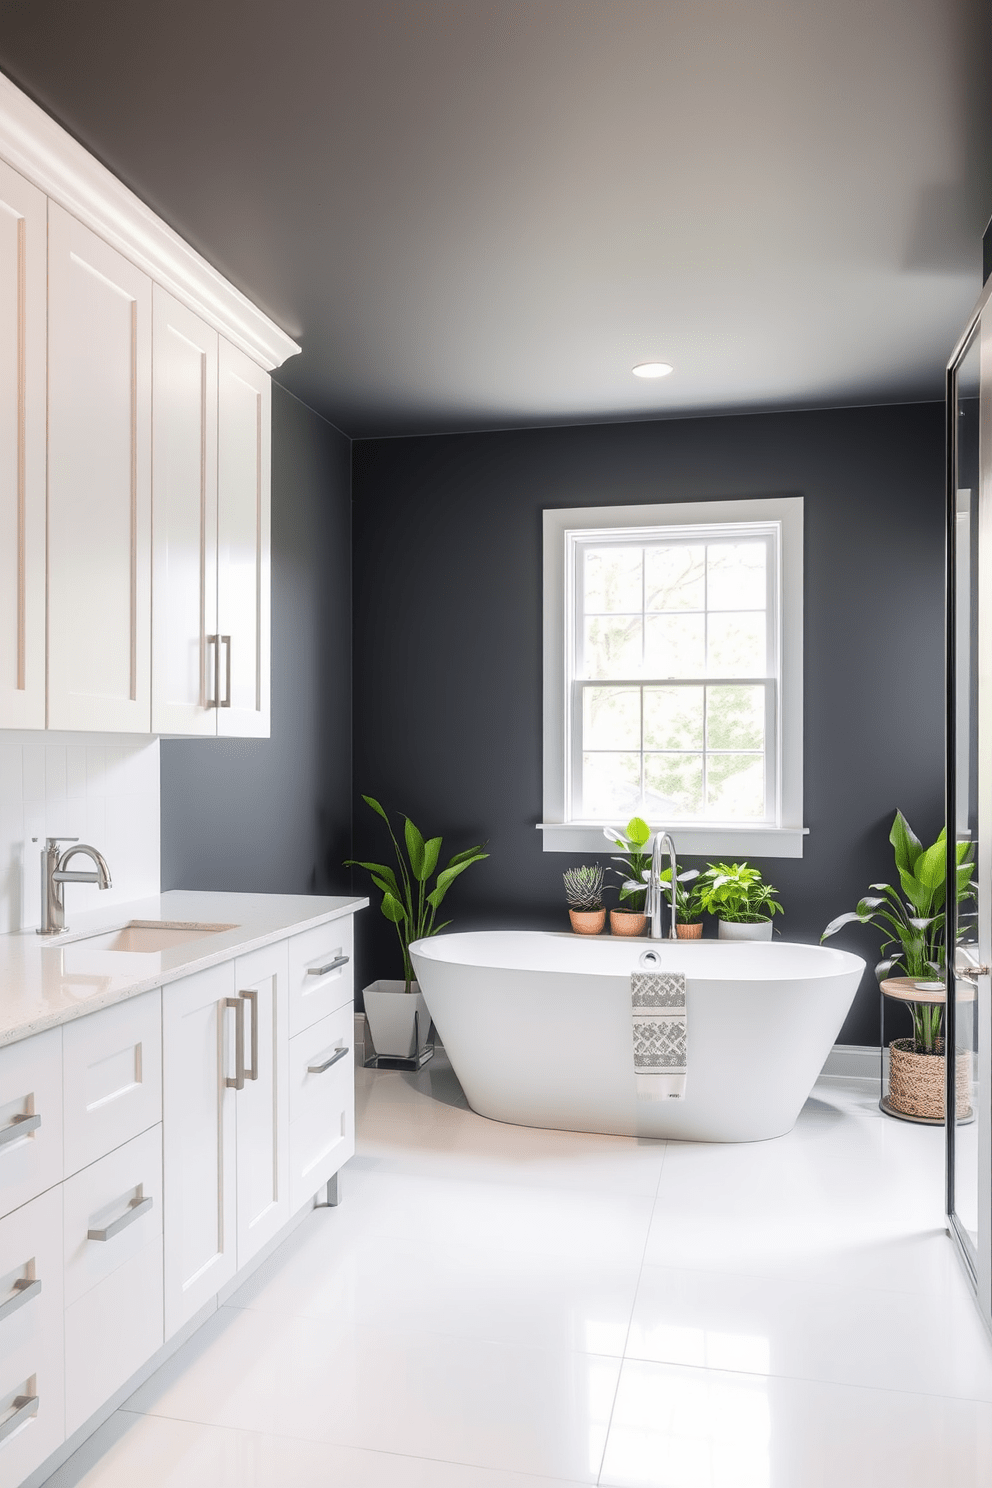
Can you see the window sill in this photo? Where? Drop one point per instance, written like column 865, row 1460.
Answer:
column 691, row 842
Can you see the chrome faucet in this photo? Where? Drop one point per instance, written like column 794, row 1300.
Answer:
column 54, row 874
column 662, row 843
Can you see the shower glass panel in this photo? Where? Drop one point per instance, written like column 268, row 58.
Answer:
column 969, row 785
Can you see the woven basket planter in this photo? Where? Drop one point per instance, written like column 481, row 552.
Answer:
column 916, row 1082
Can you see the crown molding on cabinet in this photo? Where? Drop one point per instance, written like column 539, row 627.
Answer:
column 42, row 151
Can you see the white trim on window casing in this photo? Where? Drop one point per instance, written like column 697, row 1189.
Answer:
column 785, row 838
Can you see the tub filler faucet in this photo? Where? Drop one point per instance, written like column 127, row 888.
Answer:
column 662, row 843
column 54, row 874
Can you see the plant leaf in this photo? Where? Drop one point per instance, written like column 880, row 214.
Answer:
column 470, row 852
column 431, row 849
column 447, row 877
column 851, row 918
column 393, row 909
column 376, row 869
column 371, row 801
column 906, row 844
column 638, row 831
column 414, row 848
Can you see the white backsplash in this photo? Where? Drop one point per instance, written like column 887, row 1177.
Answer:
column 101, row 788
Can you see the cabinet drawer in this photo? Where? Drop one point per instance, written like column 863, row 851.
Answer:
column 321, row 1103
column 32, row 1411
column 313, row 991
column 112, row 1078
column 111, row 1331
column 109, row 1199
column 30, row 1118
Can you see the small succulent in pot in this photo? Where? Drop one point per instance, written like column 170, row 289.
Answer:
column 584, row 892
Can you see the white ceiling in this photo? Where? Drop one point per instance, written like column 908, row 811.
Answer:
column 482, row 213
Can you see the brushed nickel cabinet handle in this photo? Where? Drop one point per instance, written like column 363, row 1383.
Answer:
column 24, row 1406
column 134, row 1210
column 328, row 966
column 214, row 640
column 252, row 998
column 225, row 640
column 24, row 1290
column 18, row 1128
column 318, row 1069
column 238, row 1082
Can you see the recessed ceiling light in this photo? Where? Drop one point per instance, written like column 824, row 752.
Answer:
column 652, row 369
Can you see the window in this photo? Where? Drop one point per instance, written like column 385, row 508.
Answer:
column 673, row 674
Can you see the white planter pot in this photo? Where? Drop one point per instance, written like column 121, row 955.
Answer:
column 735, row 930
column 390, row 1011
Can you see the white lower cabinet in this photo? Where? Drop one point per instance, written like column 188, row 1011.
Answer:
column 30, row 1118
column 263, row 1104
column 199, row 1154
column 32, row 1402
column 112, row 1223
column 321, row 1103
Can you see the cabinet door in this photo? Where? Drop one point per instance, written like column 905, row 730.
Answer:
column 263, row 1104
column 243, row 501
column 23, row 228
column 321, row 1103
column 184, row 521
column 30, row 1118
column 198, row 1122
column 99, row 484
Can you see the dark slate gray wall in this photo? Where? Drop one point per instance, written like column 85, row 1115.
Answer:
column 274, row 815
column 447, row 583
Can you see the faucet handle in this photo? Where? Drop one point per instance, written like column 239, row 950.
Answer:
column 51, row 842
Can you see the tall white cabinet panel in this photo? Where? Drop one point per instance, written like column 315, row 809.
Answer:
column 99, row 484
column 23, row 229
column 263, row 1104
column 185, row 651
column 199, row 1147
column 243, row 519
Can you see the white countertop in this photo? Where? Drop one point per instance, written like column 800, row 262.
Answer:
column 45, row 982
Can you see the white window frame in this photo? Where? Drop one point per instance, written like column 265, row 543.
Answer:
column 566, row 531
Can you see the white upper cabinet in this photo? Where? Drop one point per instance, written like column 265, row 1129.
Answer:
column 243, row 521
column 23, row 221
column 184, row 520
column 99, row 483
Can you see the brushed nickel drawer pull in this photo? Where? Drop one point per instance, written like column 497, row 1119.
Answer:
column 225, row 641
column 24, row 1290
column 252, row 998
column 134, row 1210
column 24, row 1406
column 18, row 1128
column 318, row 1069
column 328, row 966
column 238, row 1082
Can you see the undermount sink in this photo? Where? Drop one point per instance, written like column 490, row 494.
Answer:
column 158, row 935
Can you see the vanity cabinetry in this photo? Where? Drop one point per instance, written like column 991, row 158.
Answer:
column 150, row 1152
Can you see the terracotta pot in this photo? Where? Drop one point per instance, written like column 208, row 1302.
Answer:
column 587, row 921
column 689, row 932
column 916, row 1082
column 626, row 922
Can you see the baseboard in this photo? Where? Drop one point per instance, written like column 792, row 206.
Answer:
column 852, row 1061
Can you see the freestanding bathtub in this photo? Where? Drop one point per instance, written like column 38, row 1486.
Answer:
column 538, row 1029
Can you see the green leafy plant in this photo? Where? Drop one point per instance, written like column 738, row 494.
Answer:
column 407, row 901
column 737, row 892
column 584, row 887
column 688, row 900
column 913, row 922
column 633, row 843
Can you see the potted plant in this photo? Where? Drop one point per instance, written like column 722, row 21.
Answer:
column 584, row 892
column 741, row 900
column 629, row 917
column 688, row 902
column 395, row 1009
column 913, row 934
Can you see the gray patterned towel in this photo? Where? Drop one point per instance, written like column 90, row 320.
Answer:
column 657, row 1004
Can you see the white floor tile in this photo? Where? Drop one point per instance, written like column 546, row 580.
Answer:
column 841, row 1334
column 136, row 1450
column 459, row 1400
column 701, row 1428
column 540, row 1300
